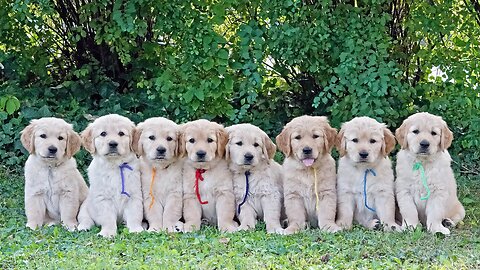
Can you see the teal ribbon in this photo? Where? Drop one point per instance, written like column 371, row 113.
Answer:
column 419, row 167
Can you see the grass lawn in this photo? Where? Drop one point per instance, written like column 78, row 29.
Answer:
column 55, row 248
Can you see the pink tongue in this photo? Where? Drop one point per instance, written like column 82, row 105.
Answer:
column 308, row 162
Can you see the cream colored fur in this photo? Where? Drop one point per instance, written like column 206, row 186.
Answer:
column 54, row 188
column 442, row 207
column 264, row 200
column 300, row 197
column 105, row 205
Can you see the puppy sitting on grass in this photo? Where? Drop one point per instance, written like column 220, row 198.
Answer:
column 115, row 190
column 365, row 187
column 54, row 188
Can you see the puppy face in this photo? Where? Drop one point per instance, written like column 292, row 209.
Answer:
column 364, row 140
column 109, row 136
column 424, row 134
column 50, row 138
column 156, row 139
column 306, row 138
column 248, row 145
column 202, row 140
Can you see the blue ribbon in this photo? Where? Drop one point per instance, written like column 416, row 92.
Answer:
column 123, row 166
column 365, row 188
column 247, row 187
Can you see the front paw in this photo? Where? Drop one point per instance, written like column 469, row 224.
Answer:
column 33, row 225
column 136, row 229
column 392, row 227
column 245, row 227
column 331, row 228
column 291, row 230
column 191, row 227
column 344, row 225
column 70, row 226
column 107, row 233
column 229, row 228
column 278, row 230
column 438, row 228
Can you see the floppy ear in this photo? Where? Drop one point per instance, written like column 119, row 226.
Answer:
column 181, row 147
column 28, row 139
column 222, row 139
column 401, row 135
column 330, row 138
column 87, row 139
column 269, row 148
column 446, row 138
column 136, row 144
column 283, row 141
column 73, row 144
column 388, row 142
column 340, row 143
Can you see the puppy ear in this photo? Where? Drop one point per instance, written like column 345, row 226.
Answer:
column 222, row 140
column 283, row 141
column 181, row 147
column 330, row 138
column 340, row 143
column 269, row 148
column 87, row 139
column 446, row 138
column 136, row 144
column 73, row 144
column 27, row 138
column 388, row 142
column 401, row 135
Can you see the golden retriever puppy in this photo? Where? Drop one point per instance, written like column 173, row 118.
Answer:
column 54, row 188
column 309, row 178
column 425, row 187
column 207, row 181
column 256, row 177
column 365, row 181
column 161, row 173
column 115, row 189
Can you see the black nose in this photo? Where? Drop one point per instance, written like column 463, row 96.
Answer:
column 161, row 150
column 307, row 150
column 113, row 144
column 52, row 149
column 248, row 157
column 424, row 144
column 363, row 154
column 201, row 154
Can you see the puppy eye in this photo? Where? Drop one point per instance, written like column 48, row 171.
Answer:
column 239, row 143
column 315, row 136
column 298, row 137
column 60, row 138
column 355, row 140
column 416, row 131
column 169, row 138
column 434, row 133
column 103, row 134
column 43, row 136
column 121, row 133
column 256, row 145
column 192, row 140
column 373, row 141
column 209, row 140
column 152, row 138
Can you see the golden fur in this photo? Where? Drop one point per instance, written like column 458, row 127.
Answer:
column 250, row 149
column 364, row 143
column 203, row 142
column 54, row 188
column 442, row 209
column 307, row 142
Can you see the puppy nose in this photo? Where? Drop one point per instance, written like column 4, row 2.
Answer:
column 424, row 144
column 161, row 150
column 113, row 144
column 201, row 154
column 52, row 149
column 363, row 154
column 307, row 150
column 248, row 156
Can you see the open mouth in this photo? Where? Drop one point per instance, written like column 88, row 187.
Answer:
column 308, row 161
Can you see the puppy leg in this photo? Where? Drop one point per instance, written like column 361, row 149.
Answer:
column 457, row 213
column 133, row 215
column 385, row 206
column 225, row 212
column 435, row 212
column 247, row 218
column 271, row 214
column 35, row 210
column 296, row 213
column 192, row 213
column 68, row 211
column 154, row 216
column 105, row 215
column 408, row 210
column 173, row 213
column 327, row 208
column 85, row 222
column 346, row 208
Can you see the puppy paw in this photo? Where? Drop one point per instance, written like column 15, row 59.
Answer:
column 375, row 225
column 439, row 229
column 84, row 227
column 392, row 227
column 107, row 233
column 290, row 230
column 190, row 227
column 136, row 229
column 344, row 225
column 331, row 228
column 278, row 230
column 229, row 228
column 448, row 223
column 154, row 229
column 70, row 226
column 33, row 225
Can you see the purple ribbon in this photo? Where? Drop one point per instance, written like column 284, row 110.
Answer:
column 247, row 173
column 123, row 166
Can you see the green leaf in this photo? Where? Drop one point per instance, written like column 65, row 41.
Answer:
column 223, row 54
column 207, row 65
column 200, row 94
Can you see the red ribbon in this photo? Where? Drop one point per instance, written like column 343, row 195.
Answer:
column 198, row 176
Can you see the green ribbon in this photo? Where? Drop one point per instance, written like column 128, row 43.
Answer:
column 418, row 166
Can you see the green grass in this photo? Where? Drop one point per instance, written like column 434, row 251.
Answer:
column 55, row 248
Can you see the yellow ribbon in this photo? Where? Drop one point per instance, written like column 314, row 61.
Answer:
column 316, row 191
column 154, row 172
